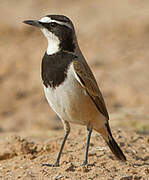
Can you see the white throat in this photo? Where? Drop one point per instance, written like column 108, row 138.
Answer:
column 53, row 41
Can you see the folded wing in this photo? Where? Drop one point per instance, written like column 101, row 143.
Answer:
column 88, row 82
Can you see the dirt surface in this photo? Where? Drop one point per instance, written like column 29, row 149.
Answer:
column 114, row 37
column 22, row 158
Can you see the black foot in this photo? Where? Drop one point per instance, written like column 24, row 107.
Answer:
column 84, row 163
column 52, row 165
column 88, row 165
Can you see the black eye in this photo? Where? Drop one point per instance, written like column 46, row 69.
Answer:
column 53, row 24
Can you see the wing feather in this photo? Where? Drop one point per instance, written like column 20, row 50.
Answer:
column 89, row 83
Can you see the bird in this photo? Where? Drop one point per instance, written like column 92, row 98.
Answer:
column 70, row 86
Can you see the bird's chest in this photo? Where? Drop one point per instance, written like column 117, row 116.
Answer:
column 54, row 68
column 66, row 97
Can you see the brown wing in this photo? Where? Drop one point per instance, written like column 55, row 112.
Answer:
column 89, row 83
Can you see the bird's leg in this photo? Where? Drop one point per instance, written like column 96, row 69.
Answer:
column 67, row 130
column 87, row 146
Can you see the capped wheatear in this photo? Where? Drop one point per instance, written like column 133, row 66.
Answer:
column 69, row 84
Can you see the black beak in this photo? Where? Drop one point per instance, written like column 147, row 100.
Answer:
column 33, row 23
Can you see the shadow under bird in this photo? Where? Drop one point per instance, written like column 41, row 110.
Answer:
column 69, row 84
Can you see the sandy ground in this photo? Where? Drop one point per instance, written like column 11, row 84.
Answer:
column 114, row 37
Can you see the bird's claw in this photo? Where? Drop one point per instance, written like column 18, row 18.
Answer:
column 52, row 165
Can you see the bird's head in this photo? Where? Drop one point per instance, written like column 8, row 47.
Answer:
column 58, row 30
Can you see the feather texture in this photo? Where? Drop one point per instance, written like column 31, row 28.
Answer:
column 90, row 84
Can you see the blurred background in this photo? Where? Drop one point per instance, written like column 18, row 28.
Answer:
column 114, row 38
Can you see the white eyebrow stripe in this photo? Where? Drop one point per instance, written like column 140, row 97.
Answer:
column 48, row 20
column 45, row 20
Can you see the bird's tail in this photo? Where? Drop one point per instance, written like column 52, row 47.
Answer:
column 116, row 149
column 114, row 146
column 112, row 143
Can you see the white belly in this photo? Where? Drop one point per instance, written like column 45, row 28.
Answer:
column 71, row 103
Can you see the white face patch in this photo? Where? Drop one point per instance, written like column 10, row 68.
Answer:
column 53, row 41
